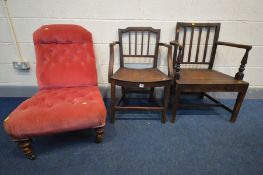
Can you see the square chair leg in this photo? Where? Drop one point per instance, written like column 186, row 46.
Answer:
column 176, row 103
column 239, row 101
column 165, row 102
column 112, row 105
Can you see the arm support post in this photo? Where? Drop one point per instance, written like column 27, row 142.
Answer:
column 240, row 74
column 111, row 62
column 169, row 58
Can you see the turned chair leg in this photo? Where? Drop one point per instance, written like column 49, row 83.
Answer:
column 165, row 103
column 25, row 146
column 99, row 134
column 239, row 101
column 176, row 104
column 112, row 111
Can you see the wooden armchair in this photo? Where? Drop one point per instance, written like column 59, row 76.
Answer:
column 204, row 79
column 139, row 43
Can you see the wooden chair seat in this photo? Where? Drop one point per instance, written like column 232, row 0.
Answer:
column 140, row 75
column 206, row 77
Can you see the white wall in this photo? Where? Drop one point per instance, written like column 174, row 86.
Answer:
column 242, row 22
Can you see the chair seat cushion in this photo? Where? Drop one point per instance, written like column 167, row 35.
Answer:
column 206, row 76
column 140, row 75
column 57, row 110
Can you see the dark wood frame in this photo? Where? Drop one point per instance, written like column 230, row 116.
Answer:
column 240, row 86
column 125, row 85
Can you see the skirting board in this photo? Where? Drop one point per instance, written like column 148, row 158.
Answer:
column 28, row 91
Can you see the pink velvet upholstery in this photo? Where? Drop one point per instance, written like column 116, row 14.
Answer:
column 57, row 110
column 69, row 98
column 65, row 57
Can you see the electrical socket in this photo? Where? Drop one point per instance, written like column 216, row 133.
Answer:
column 21, row 65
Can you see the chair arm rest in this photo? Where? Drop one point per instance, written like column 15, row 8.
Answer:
column 242, row 46
column 164, row 44
column 111, row 61
column 114, row 43
column 239, row 75
column 169, row 58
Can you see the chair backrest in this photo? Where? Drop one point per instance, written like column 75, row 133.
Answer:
column 199, row 43
column 64, row 56
column 139, row 42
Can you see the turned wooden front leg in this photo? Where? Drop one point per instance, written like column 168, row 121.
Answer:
column 25, row 146
column 99, row 134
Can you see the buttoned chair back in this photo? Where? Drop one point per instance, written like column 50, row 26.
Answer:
column 64, row 56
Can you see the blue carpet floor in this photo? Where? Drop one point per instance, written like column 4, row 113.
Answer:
column 200, row 142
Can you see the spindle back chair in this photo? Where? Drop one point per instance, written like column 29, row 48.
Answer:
column 201, row 78
column 141, row 43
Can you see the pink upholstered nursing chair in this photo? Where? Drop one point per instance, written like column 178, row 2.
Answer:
column 68, row 98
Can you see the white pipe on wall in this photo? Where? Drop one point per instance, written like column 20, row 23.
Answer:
column 12, row 30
